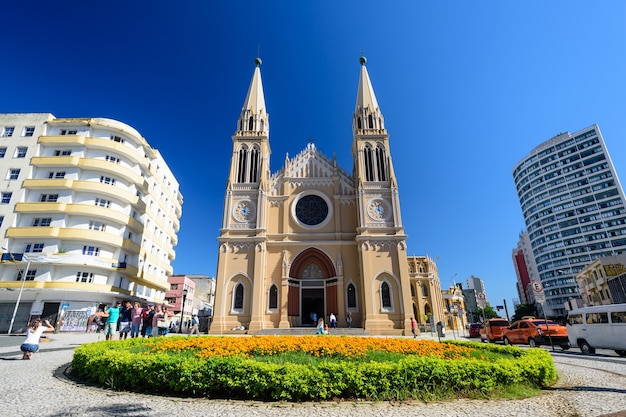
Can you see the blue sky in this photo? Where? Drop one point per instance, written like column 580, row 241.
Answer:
column 467, row 90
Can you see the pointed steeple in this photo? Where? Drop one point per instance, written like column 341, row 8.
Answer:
column 254, row 118
column 367, row 115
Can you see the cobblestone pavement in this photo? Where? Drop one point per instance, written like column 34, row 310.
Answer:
column 37, row 387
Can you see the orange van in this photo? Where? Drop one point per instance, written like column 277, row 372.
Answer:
column 493, row 330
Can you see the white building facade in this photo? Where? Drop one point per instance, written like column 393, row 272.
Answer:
column 89, row 214
column 573, row 207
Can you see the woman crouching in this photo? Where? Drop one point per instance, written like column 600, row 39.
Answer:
column 31, row 344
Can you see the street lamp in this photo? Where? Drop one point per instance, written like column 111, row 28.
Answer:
column 182, row 311
column 19, row 295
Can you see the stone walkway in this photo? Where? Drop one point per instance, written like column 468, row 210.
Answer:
column 38, row 388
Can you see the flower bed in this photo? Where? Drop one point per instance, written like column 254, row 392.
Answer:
column 292, row 368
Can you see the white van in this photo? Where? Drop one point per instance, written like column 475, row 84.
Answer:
column 598, row 327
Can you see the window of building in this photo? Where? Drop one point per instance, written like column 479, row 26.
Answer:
column 13, row 174
column 351, row 295
column 95, row 225
column 68, row 132
column 91, row 250
column 5, row 198
column 30, row 275
column 107, row 180
column 59, row 174
column 1, row 220
column 42, row 221
column 238, row 297
column 84, row 277
column 62, row 152
column 49, row 198
column 7, row 132
column 385, row 295
column 424, row 290
column 28, row 131
column 116, row 139
column 112, row 159
column 273, row 297
column 20, row 152
column 103, row 203
column 173, row 286
column 34, row 247
column 3, row 152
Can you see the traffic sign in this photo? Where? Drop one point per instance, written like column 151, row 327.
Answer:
column 481, row 296
column 537, row 287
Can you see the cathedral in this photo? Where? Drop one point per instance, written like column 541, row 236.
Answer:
column 313, row 239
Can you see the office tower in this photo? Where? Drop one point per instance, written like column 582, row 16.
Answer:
column 573, row 207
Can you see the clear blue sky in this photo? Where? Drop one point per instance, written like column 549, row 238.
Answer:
column 467, row 90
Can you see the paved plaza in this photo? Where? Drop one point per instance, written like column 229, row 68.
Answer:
column 39, row 388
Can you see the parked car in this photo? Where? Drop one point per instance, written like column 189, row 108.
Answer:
column 473, row 329
column 598, row 327
column 536, row 332
column 493, row 329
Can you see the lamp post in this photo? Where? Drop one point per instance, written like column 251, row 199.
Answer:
column 19, row 294
column 182, row 311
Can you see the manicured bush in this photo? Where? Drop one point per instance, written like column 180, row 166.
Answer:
column 291, row 368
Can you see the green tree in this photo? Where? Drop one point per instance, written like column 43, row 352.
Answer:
column 487, row 313
column 524, row 310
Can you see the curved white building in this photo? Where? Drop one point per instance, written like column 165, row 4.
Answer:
column 89, row 209
column 573, row 206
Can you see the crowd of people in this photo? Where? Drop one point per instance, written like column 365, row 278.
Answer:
column 136, row 321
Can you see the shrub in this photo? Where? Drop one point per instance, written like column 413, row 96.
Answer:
column 277, row 369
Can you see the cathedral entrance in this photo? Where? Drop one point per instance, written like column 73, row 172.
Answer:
column 312, row 306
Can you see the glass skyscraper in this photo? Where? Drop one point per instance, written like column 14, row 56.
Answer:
column 573, row 206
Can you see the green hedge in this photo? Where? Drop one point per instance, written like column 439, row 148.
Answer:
column 122, row 366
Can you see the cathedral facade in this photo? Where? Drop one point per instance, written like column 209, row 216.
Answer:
column 313, row 239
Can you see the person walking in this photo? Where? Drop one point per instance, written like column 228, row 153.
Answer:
column 194, row 325
column 31, row 343
column 147, row 315
column 333, row 320
column 349, row 320
column 414, row 327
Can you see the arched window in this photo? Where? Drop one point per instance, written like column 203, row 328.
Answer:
column 424, row 290
column 251, row 123
column 241, row 164
column 381, row 163
column 351, row 296
column 385, row 295
column 370, row 122
column 369, row 163
column 238, row 297
column 254, row 165
column 358, row 123
column 273, row 297
column 412, row 291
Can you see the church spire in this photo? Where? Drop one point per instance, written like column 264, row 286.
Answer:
column 254, row 118
column 367, row 115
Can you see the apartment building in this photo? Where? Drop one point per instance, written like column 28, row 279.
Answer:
column 89, row 214
column 573, row 207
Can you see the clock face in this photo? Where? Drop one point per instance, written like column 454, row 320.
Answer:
column 244, row 211
column 378, row 209
column 311, row 210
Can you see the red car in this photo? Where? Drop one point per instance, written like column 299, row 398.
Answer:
column 474, row 329
column 536, row 332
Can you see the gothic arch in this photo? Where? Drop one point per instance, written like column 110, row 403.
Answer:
column 304, row 258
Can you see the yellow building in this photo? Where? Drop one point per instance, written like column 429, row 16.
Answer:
column 89, row 214
column 312, row 239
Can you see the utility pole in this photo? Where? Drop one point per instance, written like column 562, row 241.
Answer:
column 506, row 310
